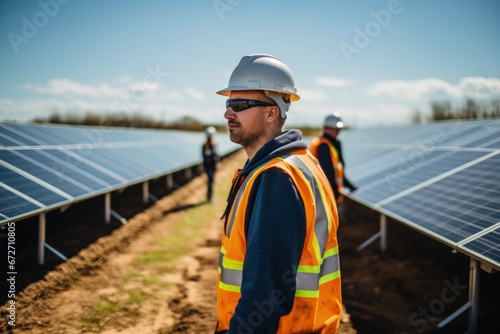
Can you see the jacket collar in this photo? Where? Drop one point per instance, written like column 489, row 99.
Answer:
column 285, row 143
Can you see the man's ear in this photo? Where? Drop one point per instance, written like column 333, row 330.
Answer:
column 273, row 113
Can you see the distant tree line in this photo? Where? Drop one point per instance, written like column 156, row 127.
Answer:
column 185, row 123
column 471, row 109
column 440, row 110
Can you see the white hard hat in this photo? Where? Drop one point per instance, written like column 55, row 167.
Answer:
column 266, row 73
column 333, row 121
column 210, row 131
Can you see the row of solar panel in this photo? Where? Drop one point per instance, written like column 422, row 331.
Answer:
column 442, row 179
column 44, row 167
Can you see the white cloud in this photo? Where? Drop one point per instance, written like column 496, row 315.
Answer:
column 194, row 93
column 124, row 79
column 479, row 87
column 315, row 95
column 385, row 102
column 413, row 90
column 476, row 87
column 169, row 95
column 333, row 82
column 68, row 88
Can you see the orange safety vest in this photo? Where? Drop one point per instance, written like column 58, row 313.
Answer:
column 317, row 304
column 337, row 164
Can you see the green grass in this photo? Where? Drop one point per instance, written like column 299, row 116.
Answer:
column 102, row 310
column 185, row 235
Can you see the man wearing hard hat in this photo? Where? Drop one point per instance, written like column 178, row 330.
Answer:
column 210, row 159
column 279, row 263
column 327, row 148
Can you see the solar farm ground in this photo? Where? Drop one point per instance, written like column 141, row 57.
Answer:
column 156, row 274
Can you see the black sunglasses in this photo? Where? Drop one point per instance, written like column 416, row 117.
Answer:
column 242, row 104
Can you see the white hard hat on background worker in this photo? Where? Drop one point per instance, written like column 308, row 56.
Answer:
column 333, row 121
column 210, row 131
column 268, row 74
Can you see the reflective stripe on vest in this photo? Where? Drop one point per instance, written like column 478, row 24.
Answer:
column 308, row 277
column 337, row 164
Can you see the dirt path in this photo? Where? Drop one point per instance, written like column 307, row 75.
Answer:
column 156, row 274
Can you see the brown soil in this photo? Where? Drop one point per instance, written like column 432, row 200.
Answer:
column 380, row 291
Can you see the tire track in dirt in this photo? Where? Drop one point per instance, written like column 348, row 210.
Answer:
column 195, row 303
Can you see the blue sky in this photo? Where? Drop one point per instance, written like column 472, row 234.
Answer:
column 375, row 62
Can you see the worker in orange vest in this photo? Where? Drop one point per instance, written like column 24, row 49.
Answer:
column 328, row 150
column 210, row 159
column 279, row 259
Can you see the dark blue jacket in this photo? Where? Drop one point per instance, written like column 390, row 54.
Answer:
column 275, row 230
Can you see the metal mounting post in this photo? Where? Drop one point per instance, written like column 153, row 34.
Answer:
column 152, row 197
column 145, row 192
column 473, row 302
column 41, row 239
column 170, row 181
column 382, row 234
column 117, row 216
column 108, row 212
column 188, row 173
column 56, row 252
column 42, row 244
column 107, row 208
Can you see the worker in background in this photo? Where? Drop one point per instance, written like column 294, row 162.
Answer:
column 279, row 262
column 328, row 150
column 210, row 159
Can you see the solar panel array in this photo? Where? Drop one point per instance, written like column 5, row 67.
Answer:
column 43, row 167
column 442, row 179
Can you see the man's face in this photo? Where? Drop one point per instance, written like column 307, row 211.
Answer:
column 247, row 126
column 332, row 132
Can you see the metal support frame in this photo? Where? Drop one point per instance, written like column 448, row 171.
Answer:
column 42, row 244
column 152, row 197
column 382, row 234
column 107, row 208
column 108, row 212
column 41, row 239
column 170, row 181
column 188, row 173
column 472, row 304
column 117, row 216
column 56, row 252
column 145, row 191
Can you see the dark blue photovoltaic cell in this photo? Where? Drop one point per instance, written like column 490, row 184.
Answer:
column 5, row 141
column 487, row 245
column 489, row 141
column 114, row 160
column 29, row 188
column 411, row 172
column 152, row 159
column 72, row 161
column 13, row 205
column 459, row 134
column 457, row 206
column 8, row 133
column 64, row 164
column 55, row 173
column 48, row 135
column 442, row 179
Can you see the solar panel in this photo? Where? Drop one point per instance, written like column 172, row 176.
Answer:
column 485, row 246
column 43, row 167
column 442, row 179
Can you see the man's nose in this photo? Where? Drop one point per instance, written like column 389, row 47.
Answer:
column 229, row 113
